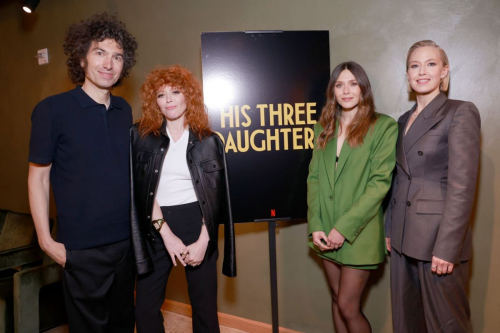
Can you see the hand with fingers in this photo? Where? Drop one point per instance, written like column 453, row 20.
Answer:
column 440, row 266
column 196, row 253
column 388, row 243
column 175, row 247
column 321, row 241
column 336, row 239
column 56, row 251
column 197, row 250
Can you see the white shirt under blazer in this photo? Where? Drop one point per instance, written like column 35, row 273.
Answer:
column 176, row 186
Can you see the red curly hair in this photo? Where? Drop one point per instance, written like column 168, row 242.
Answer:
column 179, row 77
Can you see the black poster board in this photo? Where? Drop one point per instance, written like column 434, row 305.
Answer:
column 264, row 91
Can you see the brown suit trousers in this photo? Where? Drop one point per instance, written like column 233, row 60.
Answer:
column 425, row 302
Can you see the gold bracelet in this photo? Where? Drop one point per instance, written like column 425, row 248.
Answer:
column 158, row 224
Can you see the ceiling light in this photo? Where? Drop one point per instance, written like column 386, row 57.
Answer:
column 30, row 5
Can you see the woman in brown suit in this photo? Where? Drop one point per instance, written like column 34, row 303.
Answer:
column 427, row 226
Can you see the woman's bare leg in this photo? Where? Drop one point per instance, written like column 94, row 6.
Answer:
column 333, row 273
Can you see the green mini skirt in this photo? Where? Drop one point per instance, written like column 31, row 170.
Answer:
column 368, row 267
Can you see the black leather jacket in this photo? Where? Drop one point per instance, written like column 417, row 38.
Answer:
column 207, row 164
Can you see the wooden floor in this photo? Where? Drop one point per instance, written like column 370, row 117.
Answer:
column 174, row 323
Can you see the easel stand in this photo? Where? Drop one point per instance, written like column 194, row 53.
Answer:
column 272, row 224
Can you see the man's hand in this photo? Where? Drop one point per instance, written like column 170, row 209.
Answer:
column 388, row 243
column 56, row 251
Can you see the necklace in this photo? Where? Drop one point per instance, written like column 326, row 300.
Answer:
column 415, row 114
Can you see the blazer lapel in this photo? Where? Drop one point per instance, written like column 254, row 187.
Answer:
column 329, row 154
column 422, row 124
column 344, row 154
column 400, row 151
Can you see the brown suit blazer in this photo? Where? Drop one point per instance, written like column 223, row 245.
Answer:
column 435, row 181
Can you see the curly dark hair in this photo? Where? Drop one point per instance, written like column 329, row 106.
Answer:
column 97, row 28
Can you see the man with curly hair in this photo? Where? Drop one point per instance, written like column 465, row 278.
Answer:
column 80, row 144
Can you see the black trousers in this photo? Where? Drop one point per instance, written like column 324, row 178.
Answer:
column 185, row 221
column 98, row 287
column 425, row 302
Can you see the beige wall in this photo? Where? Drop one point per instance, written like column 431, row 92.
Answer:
column 375, row 33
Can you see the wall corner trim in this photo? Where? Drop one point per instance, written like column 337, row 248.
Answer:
column 225, row 319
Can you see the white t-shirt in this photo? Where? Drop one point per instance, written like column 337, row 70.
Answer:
column 176, row 186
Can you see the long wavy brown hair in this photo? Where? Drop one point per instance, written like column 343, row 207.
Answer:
column 176, row 77
column 364, row 118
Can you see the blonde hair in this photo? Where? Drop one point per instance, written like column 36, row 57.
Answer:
column 444, row 82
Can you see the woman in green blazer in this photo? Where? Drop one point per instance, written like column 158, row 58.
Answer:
column 349, row 176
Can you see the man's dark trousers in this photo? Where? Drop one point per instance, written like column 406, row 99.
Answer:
column 98, row 288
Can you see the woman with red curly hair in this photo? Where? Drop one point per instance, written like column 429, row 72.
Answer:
column 180, row 194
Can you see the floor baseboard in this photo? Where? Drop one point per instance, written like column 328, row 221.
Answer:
column 226, row 319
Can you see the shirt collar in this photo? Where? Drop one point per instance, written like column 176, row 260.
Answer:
column 86, row 101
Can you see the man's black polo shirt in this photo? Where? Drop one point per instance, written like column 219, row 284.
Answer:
column 88, row 147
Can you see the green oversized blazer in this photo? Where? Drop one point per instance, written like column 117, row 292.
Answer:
column 349, row 197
